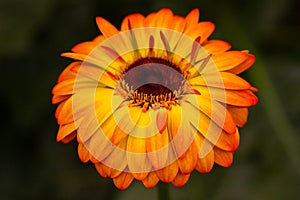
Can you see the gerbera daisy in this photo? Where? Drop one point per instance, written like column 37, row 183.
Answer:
column 155, row 100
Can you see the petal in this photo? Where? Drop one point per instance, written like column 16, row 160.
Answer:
column 151, row 180
column 193, row 16
column 214, row 110
column 136, row 21
column 244, row 65
column 202, row 29
column 68, row 73
column 181, row 179
column 59, row 98
column 106, row 28
column 223, row 158
column 64, row 87
column 161, row 119
column 180, row 130
column 65, row 130
column 243, row 98
column 136, row 154
column 83, row 153
column 69, row 137
column 188, row 163
column 163, row 18
column 179, row 23
column 216, row 46
column 157, row 149
column 238, row 114
column 64, row 112
column 167, row 174
column 84, row 47
column 228, row 60
column 205, row 164
column 106, row 171
column 123, row 180
column 221, row 80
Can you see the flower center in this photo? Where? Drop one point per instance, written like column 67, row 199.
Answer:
column 153, row 82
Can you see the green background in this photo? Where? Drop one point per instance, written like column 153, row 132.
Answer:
column 33, row 34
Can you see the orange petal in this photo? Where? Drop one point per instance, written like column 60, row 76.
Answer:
column 123, row 180
column 136, row 154
column 202, row 29
column 69, row 137
column 167, row 174
column 68, row 73
column 188, row 163
column 106, row 171
column 161, row 119
column 106, row 28
column 244, row 65
column 205, row 165
column 136, row 21
column 59, row 98
column 221, row 80
column 157, row 154
column 243, row 98
column 193, row 16
column 118, row 135
column 238, row 114
column 179, row 23
column 216, row 46
column 151, row 180
column 84, row 47
column 223, row 158
column 83, row 153
column 181, row 179
column 163, row 18
column 64, row 87
column 228, row 142
column 64, row 112
column 214, row 110
column 228, row 60
column 64, row 131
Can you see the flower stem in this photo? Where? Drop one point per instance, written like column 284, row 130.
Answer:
column 163, row 191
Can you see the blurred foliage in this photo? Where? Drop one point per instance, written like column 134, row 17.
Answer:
column 33, row 34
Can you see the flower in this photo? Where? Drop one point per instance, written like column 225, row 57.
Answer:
column 155, row 100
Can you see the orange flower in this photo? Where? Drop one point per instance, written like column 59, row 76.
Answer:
column 155, row 100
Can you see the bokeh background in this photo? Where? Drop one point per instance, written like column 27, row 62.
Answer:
column 33, row 34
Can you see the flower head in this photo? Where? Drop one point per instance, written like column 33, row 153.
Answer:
column 155, row 100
